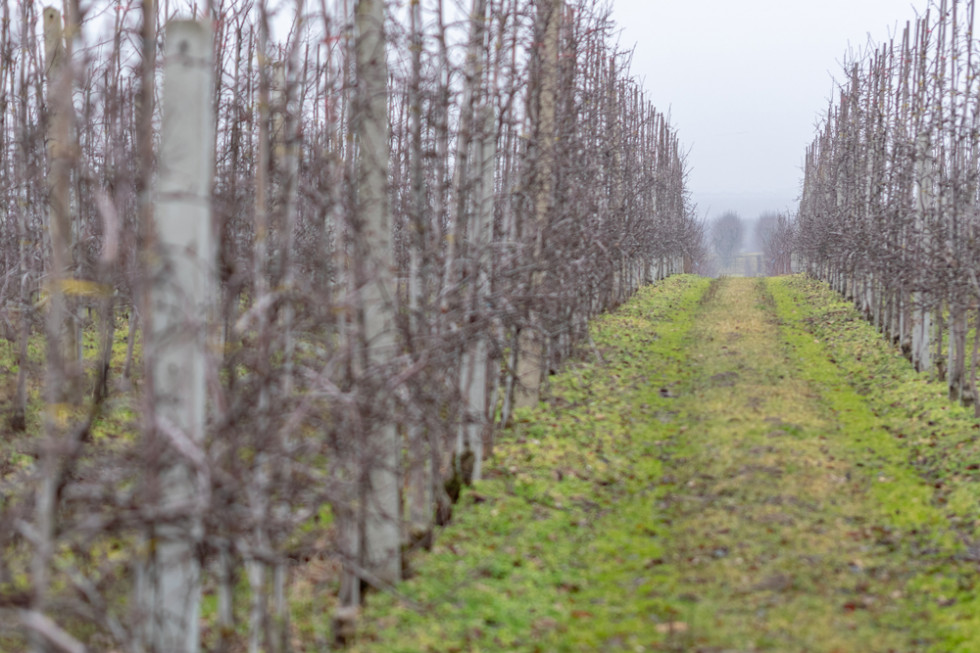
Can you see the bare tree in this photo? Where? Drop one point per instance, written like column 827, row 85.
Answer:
column 727, row 234
column 543, row 104
column 775, row 233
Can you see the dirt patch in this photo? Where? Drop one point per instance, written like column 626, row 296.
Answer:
column 723, row 379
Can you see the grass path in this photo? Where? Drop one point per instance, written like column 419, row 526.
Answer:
column 726, row 478
column 777, row 537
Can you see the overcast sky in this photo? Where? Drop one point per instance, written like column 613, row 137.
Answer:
column 745, row 82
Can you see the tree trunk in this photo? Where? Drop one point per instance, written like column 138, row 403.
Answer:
column 59, row 140
column 372, row 528
column 531, row 363
column 420, row 473
column 258, row 490
column 956, row 370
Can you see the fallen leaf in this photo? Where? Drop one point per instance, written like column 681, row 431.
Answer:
column 672, row 627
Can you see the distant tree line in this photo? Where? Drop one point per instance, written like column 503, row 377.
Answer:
column 727, row 234
column 775, row 234
column 408, row 222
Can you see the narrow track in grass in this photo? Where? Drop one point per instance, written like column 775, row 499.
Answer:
column 777, row 537
column 715, row 483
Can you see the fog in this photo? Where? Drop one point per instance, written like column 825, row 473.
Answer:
column 746, row 83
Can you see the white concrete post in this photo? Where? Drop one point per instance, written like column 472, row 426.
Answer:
column 921, row 317
column 181, row 285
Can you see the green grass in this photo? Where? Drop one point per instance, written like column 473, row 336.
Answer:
column 749, row 467
column 924, row 450
column 517, row 570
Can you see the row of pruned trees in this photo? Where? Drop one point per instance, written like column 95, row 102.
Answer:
column 338, row 243
column 888, row 212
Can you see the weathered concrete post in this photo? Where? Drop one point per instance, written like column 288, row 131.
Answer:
column 921, row 316
column 181, row 264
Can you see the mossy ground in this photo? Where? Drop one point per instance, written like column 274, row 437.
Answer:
column 747, row 468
